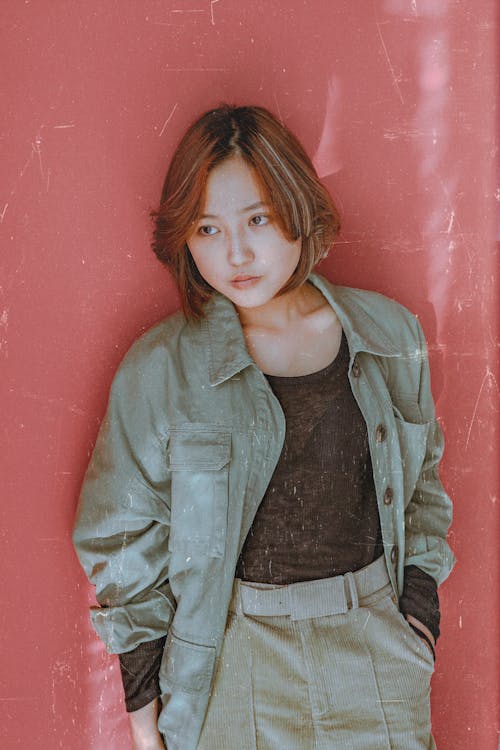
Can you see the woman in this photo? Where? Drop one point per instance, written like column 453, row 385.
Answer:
column 262, row 516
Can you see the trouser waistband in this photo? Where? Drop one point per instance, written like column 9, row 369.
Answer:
column 317, row 598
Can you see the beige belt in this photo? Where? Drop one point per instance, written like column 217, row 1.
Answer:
column 324, row 596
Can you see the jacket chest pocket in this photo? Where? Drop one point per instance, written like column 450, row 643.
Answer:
column 199, row 461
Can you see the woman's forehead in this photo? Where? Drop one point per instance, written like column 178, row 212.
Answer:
column 233, row 185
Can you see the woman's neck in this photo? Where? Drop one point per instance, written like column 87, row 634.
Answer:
column 295, row 334
column 283, row 310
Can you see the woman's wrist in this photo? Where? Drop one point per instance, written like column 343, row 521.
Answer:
column 144, row 727
column 423, row 632
column 423, row 628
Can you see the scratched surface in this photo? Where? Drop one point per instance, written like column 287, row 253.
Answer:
column 395, row 100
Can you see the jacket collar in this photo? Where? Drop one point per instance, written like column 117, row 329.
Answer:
column 228, row 353
column 361, row 329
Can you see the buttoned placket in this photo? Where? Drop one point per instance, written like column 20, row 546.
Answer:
column 229, row 356
column 377, row 438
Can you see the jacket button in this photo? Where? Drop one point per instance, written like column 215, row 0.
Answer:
column 380, row 433
column 388, row 496
column 394, row 553
column 356, row 369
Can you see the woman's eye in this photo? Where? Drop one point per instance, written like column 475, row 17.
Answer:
column 207, row 230
column 259, row 220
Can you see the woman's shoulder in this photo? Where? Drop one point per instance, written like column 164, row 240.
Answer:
column 373, row 303
column 367, row 310
column 149, row 357
column 160, row 336
column 366, row 299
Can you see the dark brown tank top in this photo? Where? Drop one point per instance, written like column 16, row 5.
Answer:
column 319, row 516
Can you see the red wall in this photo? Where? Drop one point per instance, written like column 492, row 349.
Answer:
column 396, row 100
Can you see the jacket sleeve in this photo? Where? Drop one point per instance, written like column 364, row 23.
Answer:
column 122, row 523
column 428, row 514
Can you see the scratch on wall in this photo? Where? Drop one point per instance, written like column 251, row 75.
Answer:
column 197, row 70
column 188, row 11
column 451, row 222
column 177, row 12
column 4, row 324
column 36, row 150
column 212, row 16
column 53, row 402
column 489, row 378
column 168, row 119
column 389, row 63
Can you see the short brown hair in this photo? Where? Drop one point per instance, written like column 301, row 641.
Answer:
column 302, row 204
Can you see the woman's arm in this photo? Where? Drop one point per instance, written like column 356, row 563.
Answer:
column 143, row 727
column 428, row 514
column 123, row 520
column 140, row 670
column 122, row 526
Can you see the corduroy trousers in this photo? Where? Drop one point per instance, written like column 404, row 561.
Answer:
column 321, row 665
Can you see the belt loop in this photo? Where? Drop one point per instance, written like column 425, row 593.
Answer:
column 236, row 604
column 352, row 589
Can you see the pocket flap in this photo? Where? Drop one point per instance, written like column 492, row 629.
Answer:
column 199, row 450
column 186, row 665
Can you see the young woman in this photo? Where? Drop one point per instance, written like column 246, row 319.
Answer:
column 262, row 516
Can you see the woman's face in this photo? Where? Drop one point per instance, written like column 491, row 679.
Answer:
column 237, row 243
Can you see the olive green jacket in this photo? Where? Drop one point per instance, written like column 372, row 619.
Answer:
column 191, row 438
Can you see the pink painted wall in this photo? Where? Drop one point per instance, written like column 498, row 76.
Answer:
column 396, row 101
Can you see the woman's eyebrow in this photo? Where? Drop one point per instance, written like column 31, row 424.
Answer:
column 252, row 207
column 259, row 204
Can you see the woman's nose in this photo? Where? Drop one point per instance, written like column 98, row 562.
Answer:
column 239, row 251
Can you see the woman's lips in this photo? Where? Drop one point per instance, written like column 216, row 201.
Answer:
column 243, row 282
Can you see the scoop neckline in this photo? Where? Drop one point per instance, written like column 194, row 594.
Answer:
column 312, row 375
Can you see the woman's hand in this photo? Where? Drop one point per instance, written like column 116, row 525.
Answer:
column 144, row 728
column 427, row 638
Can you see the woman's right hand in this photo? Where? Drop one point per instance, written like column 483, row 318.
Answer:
column 144, row 728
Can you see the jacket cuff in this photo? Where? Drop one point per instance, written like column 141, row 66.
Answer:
column 431, row 554
column 122, row 628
